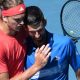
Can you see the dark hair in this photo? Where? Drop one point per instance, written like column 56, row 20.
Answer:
column 11, row 3
column 33, row 16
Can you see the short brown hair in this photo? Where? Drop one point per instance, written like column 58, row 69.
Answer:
column 11, row 3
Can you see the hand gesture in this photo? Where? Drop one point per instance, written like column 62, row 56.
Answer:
column 41, row 55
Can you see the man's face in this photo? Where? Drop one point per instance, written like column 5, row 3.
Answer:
column 37, row 34
column 15, row 22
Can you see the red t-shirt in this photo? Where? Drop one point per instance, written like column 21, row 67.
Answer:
column 12, row 55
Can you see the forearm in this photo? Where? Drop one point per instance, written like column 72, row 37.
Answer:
column 27, row 73
column 40, row 61
column 78, row 74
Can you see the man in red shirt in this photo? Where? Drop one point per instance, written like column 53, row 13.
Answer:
column 12, row 44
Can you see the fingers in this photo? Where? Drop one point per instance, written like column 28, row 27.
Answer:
column 46, row 47
column 36, row 52
column 42, row 47
column 41, row 56
column 44, row 50
column 46, row 58
column 39, row 51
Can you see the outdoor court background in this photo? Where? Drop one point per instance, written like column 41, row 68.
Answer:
column 51, row 10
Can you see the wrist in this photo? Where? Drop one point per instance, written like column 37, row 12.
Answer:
column 36, row 67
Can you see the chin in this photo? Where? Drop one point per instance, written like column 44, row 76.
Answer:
column 39, row 44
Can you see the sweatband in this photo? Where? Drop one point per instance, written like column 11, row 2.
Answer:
column 14, row 10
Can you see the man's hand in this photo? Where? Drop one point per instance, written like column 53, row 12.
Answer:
column 41, row 56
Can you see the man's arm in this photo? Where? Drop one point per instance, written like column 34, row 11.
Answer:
column 41, row 58
column 78, row 74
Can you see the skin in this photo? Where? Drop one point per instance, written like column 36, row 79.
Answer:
column 78, row 74
column 40, row 61
column 6, row 25
column 14, row 23
column 37, row 35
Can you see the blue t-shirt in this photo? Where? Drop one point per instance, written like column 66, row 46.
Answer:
column 63, row 53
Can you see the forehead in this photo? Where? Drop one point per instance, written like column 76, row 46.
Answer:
column 30, row 28
column 18, row 16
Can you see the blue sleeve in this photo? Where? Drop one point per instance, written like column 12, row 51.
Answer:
column 78, row 58
column 74, row 56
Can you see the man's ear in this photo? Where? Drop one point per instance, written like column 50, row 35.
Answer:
column 44, row 22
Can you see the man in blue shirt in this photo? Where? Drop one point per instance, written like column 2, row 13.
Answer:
column 63, row 50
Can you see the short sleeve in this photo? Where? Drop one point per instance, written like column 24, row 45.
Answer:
column 74, row 57
column 3, row 64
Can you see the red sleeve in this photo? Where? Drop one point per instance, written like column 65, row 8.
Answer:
column 3, row 64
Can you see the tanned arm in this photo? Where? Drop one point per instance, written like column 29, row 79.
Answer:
column 41, row 58
column 78, row 74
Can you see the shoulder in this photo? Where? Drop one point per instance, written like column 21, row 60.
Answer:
column 7, row 40
column 60, row 39
column 7, row 43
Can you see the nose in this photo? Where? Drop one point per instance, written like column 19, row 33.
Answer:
column 37, row 35
column 21, row 23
